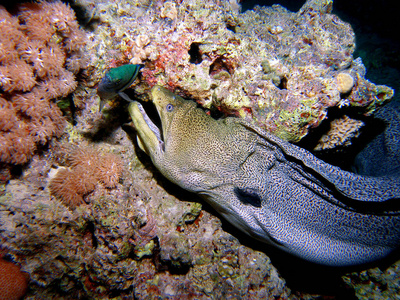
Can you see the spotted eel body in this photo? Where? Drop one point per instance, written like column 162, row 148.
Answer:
column 270, row 189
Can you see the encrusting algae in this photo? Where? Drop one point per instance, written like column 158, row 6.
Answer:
column 345, row 83
column 341, row 133
column 260, row 65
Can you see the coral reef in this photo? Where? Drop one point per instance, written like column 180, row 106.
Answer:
column 144, row 239
column 135, row 241
column 13, row 282
column 341, row 132
column 345, row 82
column 70, row 186
column 41, row 51
column 87, row 167
column 375, row 283
column 278, row 69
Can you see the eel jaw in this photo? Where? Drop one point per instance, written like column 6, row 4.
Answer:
column 148, row 134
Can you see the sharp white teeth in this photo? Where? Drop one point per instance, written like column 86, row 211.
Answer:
column 150, row 123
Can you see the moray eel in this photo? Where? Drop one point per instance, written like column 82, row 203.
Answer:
column 382, row 156
column 115, row 81
column 272, row 190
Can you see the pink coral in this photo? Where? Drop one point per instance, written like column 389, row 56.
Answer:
column 34, row 49
column 109, row 170
column 106, row 168
column 13, row 282
column 85, row 158
column 87, row 166
column 7, row 115
column 71, row 185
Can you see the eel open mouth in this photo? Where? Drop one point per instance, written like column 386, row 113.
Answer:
column 152, row 124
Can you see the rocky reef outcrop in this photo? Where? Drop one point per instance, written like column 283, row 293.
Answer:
column 279, row 69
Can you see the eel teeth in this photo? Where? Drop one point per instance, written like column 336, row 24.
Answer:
column 153, row 127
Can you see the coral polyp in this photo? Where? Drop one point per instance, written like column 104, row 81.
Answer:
column 86, row 167
column 109, row 170
column 70, row 186
column 41, row 52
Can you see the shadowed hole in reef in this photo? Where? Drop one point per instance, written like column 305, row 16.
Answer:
column 231, row 27
column 114, row 293
column 221, row 68
column 291, row 5
column 195, row 54
column 91, row 229
column 283, row 84
column 343, row 155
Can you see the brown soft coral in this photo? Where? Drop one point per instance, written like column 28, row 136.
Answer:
column 85, row 158
column 87, row 166
column 40, row 53
column 109, row 170
column 13, row 282
column 341, row 133
column 71, row 185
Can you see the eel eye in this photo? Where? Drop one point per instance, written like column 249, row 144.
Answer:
column 169, row 107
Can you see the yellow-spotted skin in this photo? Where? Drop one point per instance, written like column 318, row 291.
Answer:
column 270, row 189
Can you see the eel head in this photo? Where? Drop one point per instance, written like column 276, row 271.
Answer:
column 158, row 142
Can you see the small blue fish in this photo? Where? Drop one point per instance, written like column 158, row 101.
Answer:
column 115, row 81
